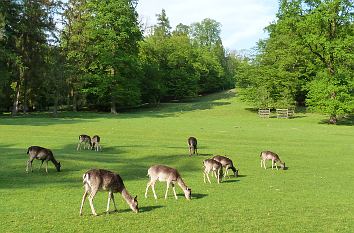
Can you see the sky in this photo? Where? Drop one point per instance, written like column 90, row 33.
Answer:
column 242, row 21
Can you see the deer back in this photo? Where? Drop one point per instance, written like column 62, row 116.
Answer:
column 163, row 173
column 37, row 152
column 192, row 141
column 101, row 179
column 223, row 160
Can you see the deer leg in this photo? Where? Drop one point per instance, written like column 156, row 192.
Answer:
column 153, row 189
column 147, row 188
column 174, row 191
column 28, row 164
column 46, row 166
column 264, row 164
column 40, row 166
column 83, row 201
column 108, row 202
column 168, row 185
column 276, row 166
column 272, row 164
column 218, row 176
column 78, row 146
column 91, row 197
column 207, row 175
column 196, row 151
column 114, row 203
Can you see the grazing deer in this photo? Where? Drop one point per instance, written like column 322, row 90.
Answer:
column 171, row 176
column 84, row 139
column 192, row 143
column 227, row 164
column 37, row 152
column 97, row 180
column 211, row 165
column 268, row 155
column 95, row 142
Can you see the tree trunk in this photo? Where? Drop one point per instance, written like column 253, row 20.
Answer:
column 73, row 94
column 113, row 107
column 56, row 100
column 16, row 100
column 25, row 100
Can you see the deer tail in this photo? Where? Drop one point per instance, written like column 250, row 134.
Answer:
column 85, row 178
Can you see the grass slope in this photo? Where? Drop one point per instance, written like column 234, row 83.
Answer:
column 314, row 195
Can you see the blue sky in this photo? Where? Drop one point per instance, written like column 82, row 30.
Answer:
column 242, row 21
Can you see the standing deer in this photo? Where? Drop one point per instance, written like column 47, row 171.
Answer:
column 37, row 152
column 102, row 180
column 211, row 165
column 171, row 176
column 84, row 139
column 192, row 143
column 95, row 142
column 227, row 164
column 268, row 155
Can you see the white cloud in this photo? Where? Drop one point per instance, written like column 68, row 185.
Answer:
column 242, row 21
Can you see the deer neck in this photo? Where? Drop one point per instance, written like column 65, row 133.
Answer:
column 127, row 197
column 181, row 183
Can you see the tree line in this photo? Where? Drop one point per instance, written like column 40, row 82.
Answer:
column 96, row 55
column 308, row 59
column 91, row 54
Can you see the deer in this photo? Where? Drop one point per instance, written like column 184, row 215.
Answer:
column 211, row 165
column 169, row 175
column 84, row 139
column 268, row 155
column 95, row 143
column 40, row 153
column 95, row 180
column 192, row 143
column 227, row 164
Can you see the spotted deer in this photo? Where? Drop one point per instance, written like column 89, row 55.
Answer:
column 86, row 140
column 169, row 175
column 227, row 164
column 268, row 155
column 95, row 142
column 103, row 180
column 40, row 153
column 192, row 143
column 211, row 165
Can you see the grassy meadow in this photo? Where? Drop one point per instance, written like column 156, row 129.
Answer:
column 315, row 194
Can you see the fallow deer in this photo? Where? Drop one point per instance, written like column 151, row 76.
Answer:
column 268, row 155
column 211, row 165
column 227, row 164
column 86, row 140
column 103, row 180
column 40, row 153
column 192, row 143
column 95, row 142
column 166, row 174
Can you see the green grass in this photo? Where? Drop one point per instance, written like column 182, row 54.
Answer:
column 314, row 195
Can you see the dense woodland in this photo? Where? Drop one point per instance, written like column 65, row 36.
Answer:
column 97, row 55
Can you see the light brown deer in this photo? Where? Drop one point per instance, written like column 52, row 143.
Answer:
column 192, row 143
column 268, row 155
column 95, row 142
column 40, row 153
column 103, row 180
column 211, row 165
column 227, row 164
column 84, row 139
column 170, row 176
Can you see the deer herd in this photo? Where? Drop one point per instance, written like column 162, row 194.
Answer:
column 95, row 180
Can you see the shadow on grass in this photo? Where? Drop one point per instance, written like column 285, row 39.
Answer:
column 345, row 121
column 194, row 195
column 230, row 181
column 161, row 111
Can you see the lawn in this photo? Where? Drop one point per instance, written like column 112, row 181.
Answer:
column 315, row 193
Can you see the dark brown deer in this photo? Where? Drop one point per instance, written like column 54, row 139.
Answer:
column 102, row 180
column 95, row 142
column 227, row 164
column 84, row 139
column 166, row 174
column 192, row 143
column 40, row 153
column 211, row 165
column 268, row 155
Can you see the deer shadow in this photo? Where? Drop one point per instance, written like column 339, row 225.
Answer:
column 230, row 181
column 194, row 195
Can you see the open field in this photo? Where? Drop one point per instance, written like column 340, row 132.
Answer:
column 315, row 194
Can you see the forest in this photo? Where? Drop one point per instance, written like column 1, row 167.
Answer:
column 97, row 56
